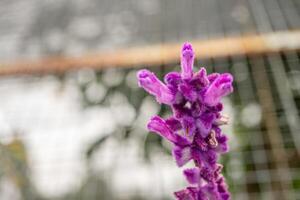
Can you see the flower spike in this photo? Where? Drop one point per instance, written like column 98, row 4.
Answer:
column 194, row 129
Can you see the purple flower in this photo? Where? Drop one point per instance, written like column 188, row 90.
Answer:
column 188, row 194
column 220, row 87
column 151, row 84
column 192, row 175
column 160, row 126
column 182, row 155
column 187, row 61
column 174, row 124
column 189, row 126
column 204, row 123
column 173, row 79
column 194, row 127
column 200, row 79
column 188, row 92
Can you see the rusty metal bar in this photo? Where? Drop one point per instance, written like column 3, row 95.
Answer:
column 159, row 54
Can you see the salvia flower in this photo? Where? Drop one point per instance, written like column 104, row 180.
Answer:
column 154, row 86
column 194, row 127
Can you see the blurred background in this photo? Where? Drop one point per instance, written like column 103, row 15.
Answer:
column 72, row 119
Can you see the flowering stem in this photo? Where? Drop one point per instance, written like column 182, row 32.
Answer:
column 195, row 102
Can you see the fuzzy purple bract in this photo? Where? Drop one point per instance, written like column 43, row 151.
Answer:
column 194, row 129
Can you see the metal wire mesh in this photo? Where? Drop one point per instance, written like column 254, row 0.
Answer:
column 55, row 127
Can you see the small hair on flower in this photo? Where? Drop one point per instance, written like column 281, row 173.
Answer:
column 193, row 129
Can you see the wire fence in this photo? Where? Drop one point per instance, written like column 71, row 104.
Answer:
column 64, row 130
column 81, row 134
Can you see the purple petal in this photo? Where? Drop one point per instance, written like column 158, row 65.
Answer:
column 217, row 130
column 207, row 174
column 210, row 157
column 188, row 92
column 173, row 78
column 212, row 191
column 213, row 77
column 200, row 79
column 220, row 87
column 174, row 124
column 217, row 108
column 182, row 155
column 225, row 196
column 180, row 111
column 204, row 123
column 160, row 126
column 183, row 195
column 189, row 126
column 223, row 146
column 180, row 140
column 154, row 86
column 202, row 194
column 192, row 175
column 187, row 61
column 190, row 193
column 207, row 158
column 223, row 189
column 202, row 145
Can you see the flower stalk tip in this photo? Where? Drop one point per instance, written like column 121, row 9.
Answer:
column 187, row 61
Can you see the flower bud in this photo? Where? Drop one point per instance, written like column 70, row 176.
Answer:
column 187, row 61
